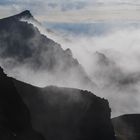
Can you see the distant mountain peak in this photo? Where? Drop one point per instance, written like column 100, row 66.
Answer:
column 25, row 14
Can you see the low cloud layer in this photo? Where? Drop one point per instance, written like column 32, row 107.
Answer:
column 112, row 60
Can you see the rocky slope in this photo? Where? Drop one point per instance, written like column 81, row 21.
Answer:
column 51, row 113
column 66, row 113
column 15, row 119
column 127, row 127
column 23, row 49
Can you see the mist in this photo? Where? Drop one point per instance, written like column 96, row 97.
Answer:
column 29, row 55
column 112, row 60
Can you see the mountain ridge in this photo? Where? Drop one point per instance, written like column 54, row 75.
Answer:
column 28, row 112
column 25, row 14
column 24, row 47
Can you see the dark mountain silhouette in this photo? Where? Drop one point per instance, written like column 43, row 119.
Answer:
column 23, row 46
column 15, row 121
column 25, row 14
column 127, row 127
column 31, row 113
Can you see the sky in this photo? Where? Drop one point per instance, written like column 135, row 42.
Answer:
column 74, row 11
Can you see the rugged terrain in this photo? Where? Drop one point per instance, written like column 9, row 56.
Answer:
column 127, row 127
column 51, row 113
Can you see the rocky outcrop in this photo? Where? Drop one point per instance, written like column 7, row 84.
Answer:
column 127, row 127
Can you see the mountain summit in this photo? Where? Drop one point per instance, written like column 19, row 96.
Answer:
column 25, row 14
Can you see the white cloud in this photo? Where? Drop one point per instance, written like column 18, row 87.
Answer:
column 118, row 73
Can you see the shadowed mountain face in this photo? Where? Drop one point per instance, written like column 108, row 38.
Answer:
column 64, row 113
column 24, row 48
column 127, row 127
column 67, row 114
column 15, row 121
column 31, row 113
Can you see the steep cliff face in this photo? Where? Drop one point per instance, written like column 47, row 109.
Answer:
column 127, row 127
column 24, row 48
column 15, row 121
column 66, row 113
